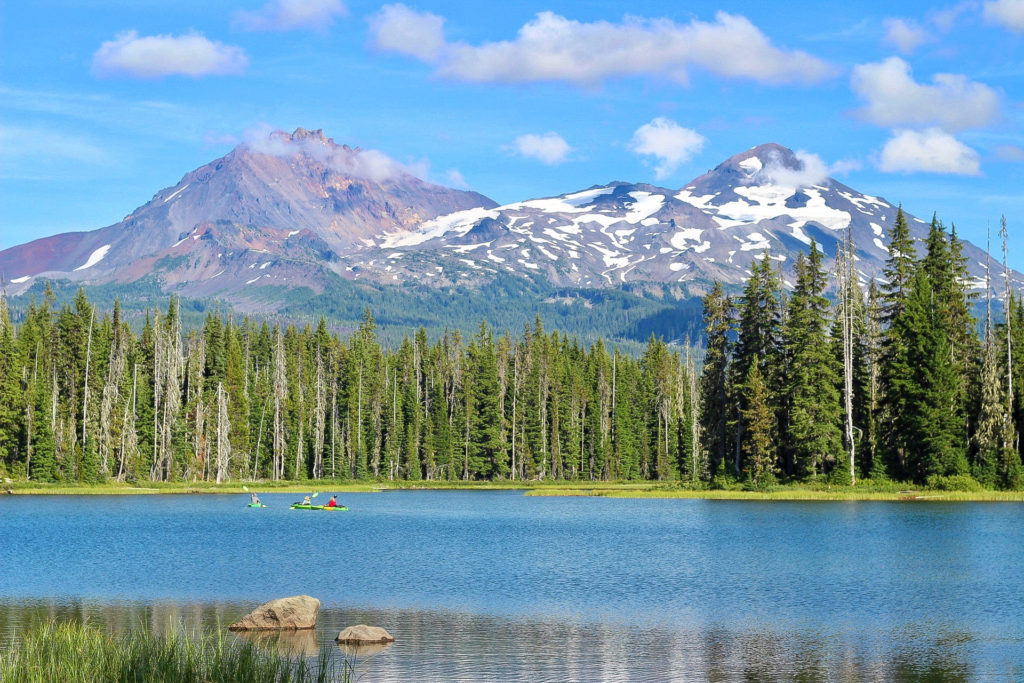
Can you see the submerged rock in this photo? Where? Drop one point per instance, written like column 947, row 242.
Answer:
column 296, row 612
column 364, row 635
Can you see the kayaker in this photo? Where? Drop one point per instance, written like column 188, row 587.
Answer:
column 254, row 499
column 333, row 502
column 306, row 501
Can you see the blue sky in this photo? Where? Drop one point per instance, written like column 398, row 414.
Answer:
column 103, row 103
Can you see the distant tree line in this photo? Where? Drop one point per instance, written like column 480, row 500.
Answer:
column 892, row 380
column 84, row 399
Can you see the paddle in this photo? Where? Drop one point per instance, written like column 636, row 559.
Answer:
column 246, row 489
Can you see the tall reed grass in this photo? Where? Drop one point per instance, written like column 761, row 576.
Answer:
column 69, row 652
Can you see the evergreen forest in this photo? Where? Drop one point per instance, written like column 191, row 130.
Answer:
column 832, row 379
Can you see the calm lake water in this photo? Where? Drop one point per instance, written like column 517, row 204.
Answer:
column 496, row 585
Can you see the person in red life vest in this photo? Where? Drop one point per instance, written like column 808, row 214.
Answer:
column 333, row 502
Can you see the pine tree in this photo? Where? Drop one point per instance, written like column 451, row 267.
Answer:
column 759, row 331
column 758, row 453
column 929, row 426
column 813, row 436
column 895, row 376
column 714, row 397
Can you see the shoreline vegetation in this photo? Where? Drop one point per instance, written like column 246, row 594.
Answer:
column 865, row 491
column 80, row 652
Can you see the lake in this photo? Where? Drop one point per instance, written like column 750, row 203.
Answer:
column 497, row 585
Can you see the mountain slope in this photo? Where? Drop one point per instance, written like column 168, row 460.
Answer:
column 301, row 184
column 291, row 222
column 763, row 199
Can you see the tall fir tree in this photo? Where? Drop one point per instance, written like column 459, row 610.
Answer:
column 714, row 379
column 813, row 438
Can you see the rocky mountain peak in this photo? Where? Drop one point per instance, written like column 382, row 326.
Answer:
column 316, row 135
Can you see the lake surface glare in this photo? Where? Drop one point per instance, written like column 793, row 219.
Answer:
column 499, row 586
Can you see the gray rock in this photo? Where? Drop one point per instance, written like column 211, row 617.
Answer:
column 293, row 613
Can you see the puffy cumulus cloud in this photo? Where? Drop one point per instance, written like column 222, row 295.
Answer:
column 903, row 34
column 808, row 171
column 556, row 49
column 368, row 164
column 397, row 28
column 894, row 98
column 668, row 142
column 549, row 148
column 165, row 55
column 1006, row 13
column 932, row 151
column 288, row 15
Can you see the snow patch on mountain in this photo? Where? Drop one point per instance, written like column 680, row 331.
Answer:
column 460, row 222
column 95, row 257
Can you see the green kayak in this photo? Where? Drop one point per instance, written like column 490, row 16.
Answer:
column 300, row 506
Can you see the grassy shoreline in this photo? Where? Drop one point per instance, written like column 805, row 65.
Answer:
column 74, row 652
column 867, row 491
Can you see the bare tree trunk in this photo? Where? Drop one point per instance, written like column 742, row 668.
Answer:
column 1009, row 345
column 259, row 439
column 85, row 383
column 280, row 387
column 515, row 405
column 129, row 437
column 319, row 418
column 223, row 443
column 847, row 290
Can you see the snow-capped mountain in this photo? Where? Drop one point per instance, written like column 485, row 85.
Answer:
column 297, row 210
column 289, row 198
column 763, row 199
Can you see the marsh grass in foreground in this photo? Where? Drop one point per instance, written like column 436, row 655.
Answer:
column 73, row 652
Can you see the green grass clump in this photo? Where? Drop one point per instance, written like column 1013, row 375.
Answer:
column 959, row 482
column 71, row 652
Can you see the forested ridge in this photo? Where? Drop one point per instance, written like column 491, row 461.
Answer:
column 880, row 380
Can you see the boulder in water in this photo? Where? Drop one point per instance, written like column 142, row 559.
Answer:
column 364, row 635
column 296, row 612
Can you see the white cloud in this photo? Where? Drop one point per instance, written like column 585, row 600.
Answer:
column 396, row 28
column 360, row 163
column 1009, row 153
column 844, row 166
column 549, row 148
column 1006, row 13
column 811, row 170
column 288, row 15
column 454, row 178
column 165, row 55
column 945, row 19
column 553, row 48
column 904, row 34
column 668, row 142
column 932, row 150
column 894, row 98
column 42, row 144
